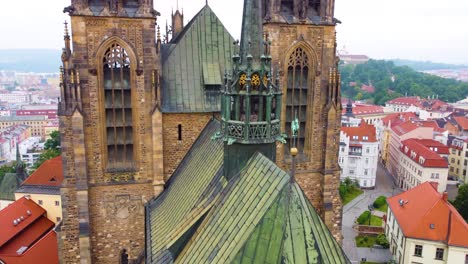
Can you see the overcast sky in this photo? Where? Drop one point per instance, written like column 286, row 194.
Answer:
column 410, row 29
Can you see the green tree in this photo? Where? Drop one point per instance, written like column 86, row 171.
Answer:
column 51, row 150
column 6, row 169
column 461, row 201
column 53, row 142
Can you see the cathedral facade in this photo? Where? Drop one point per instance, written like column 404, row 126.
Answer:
column 133, row 103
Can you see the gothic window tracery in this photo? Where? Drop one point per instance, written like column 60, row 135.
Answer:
column 118, row 107
column 297, row 94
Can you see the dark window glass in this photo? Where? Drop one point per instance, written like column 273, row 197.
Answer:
column 297, row 95
column 439, row 254
column 418, row 250
column 118, row 107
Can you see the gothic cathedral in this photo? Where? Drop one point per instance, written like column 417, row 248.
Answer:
column 131, row 109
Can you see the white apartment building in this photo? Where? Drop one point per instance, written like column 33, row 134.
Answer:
column 423, row 227
column 423, row 160
column 359, row 152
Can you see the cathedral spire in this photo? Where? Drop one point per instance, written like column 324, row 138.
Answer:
column 251, row 101
column 252, row 31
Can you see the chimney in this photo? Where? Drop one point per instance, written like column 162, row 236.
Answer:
column 445, row 196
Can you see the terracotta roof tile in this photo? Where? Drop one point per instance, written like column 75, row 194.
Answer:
column 50, row 173
column 404, row 127
column 462, row 121
column 426, row 215
column 15, row 211
column 397, row 118
column 427, row 149
column 361, row 131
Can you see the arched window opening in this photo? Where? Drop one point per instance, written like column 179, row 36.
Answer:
column 296, row 97
column 118, row 107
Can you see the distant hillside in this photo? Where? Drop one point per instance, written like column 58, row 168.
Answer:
column 392, row 81
column 426, row 65
column 40, row 60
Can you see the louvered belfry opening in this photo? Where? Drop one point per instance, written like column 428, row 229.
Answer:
column 118, row 108
column 296, row 97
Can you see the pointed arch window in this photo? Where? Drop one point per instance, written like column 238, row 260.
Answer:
column 118, row 107
column 297, row 94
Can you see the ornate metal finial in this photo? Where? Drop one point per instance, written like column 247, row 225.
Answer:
column 294, row 133
column 66, row 35
column 159, row 33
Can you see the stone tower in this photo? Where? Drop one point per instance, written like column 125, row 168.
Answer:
column 110, row 129
column 304, row 49
column 251, row 101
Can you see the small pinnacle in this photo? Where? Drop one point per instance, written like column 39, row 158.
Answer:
column 66, row 28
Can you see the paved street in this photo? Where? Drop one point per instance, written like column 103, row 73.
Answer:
column 384, row 186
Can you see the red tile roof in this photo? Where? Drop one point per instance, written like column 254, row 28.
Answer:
column 361, row 131
column 359, row 109
column 428, row 149
column 398, row 118
column 433, row 124
column 425, row 214
column 27, row 236
column 368, row 88
column 462, row 121
column 427, row 104
column 412, row 100
column 50, row 173
column 15, row 211
column 404, row 127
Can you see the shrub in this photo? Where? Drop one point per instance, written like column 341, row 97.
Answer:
column 382, row 240
column 343, row 190
column 380, row 201
column 364, row 218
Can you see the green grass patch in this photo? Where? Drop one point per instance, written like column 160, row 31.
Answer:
column 365, row 241
column 351, row 194
column 363, row 219
column 383, row 208
column 375, row 221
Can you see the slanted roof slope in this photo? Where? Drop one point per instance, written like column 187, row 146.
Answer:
column 197, row 57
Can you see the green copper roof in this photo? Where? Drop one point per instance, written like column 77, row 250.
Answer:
column 197, row 57
column 191, row 189
column 261, row 216
column 8, row 186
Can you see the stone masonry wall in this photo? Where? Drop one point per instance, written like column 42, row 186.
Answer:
column 118, row 221
column 175, row 149
column 316, row 179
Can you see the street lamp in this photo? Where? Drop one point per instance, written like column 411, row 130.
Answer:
column 371, row 208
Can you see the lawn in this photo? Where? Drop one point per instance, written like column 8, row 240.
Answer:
column 382, row 208
column 376, row 221
column 365, row 241
column 364, row 220
column 350, row 195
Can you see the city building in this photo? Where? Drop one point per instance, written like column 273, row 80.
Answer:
column 383, row 130
column 423, row 160
column 457, row 125
column 27, row 235
column 425, row 108
column 43, row 187
column 120, row 151
column 359, row 154
column 458, row 159
column 37, row 123
column 400, row 133
column 10, row 182
column 16, row 97
column 370, row 113
column 423, row 227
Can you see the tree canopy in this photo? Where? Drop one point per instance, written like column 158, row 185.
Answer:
column 51, row 149
column 461, row 201
column 392, row 81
